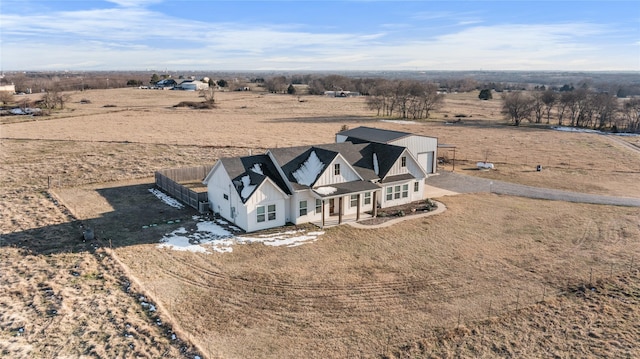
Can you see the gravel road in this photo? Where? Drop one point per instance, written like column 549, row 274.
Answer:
column 461, row 183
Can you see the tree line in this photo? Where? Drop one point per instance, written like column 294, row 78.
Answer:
column 579, row 107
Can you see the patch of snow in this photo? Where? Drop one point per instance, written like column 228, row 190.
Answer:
column 574, row 129
column 586, row 130
column 209, row 237
column 247, row 187
column 325, row 191
column 257, row 168
column 166, row 199
column 400, row 122
column 376, row 167
column 309, row 170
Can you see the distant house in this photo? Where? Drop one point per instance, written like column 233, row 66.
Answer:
column 192, row 85
column 166, row 84
column 314, row 183
column 8, row 88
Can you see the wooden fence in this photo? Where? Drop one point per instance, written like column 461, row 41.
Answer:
column 172, row 181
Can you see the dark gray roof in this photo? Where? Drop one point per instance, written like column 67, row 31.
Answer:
column 238, row 167
column 291, row 158
column 402, row 177
column 359, row 156
column 373, row 134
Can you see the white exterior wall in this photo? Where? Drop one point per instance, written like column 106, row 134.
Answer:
column 244, row 215
column 347, row 174
column 265, row 195
column 411, row 167
column 384, row 202
column 348, row 209
column 418, row 145
column 217, row 187
column 311, row 215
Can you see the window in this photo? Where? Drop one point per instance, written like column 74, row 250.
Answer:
column 268, row 215
column 354, row 200
column 271, row 212
column 225, row 196
column 303, row 208
column 404, row 161
column 318, row 206
column 416, row 186
column 397, row 192
column 367, row 198
column 260, row 214
column 336, row 169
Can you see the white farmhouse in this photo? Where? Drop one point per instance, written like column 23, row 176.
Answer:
column 316, row 183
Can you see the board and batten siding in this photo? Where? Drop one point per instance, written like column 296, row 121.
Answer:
column 294, row 204
column 411, row 167
column 219, row 186
column 347, row 174
column 418, row 145
column 266, row 194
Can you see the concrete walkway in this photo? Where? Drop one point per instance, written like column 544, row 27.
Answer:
column 460, row 183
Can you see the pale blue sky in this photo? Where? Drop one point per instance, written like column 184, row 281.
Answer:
column 319, row 35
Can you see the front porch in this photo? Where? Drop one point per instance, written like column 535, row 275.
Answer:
column 334, row 220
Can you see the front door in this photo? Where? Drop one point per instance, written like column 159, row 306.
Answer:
column 332, row 207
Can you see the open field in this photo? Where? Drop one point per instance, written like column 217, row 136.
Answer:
column 379, row 292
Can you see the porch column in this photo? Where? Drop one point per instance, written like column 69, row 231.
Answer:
column 323, row 213
column 375, row 204
column 358, row 209
column 340, row 210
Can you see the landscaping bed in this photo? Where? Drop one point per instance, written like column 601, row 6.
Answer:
column 409, row 209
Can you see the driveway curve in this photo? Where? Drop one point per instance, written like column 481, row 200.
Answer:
column 460, row 183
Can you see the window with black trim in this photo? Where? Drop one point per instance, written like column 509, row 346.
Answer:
column 318, row 206
column 354, row 200
column 416, row 186
column 404, row 161
column 303, row 208
column 336, row 169
column 367, row 198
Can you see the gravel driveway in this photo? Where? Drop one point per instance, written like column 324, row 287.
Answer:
column 461, row 183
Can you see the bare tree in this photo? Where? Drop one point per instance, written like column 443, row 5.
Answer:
column 208, row 94
column 630, row 116
column 549, row 99
column 537, row 105
column 517, row 106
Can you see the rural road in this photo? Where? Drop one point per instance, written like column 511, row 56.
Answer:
column 461, row 183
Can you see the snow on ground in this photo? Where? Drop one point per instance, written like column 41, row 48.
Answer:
column 401, row 122
column 166, row 199
column 586, row 130
column 211, row 237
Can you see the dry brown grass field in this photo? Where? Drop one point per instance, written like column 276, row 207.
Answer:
column 492, row 276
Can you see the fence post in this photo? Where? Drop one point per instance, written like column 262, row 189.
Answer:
column 517, row 300
column 489, row 315
column 591, row 277
column 544, row 291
